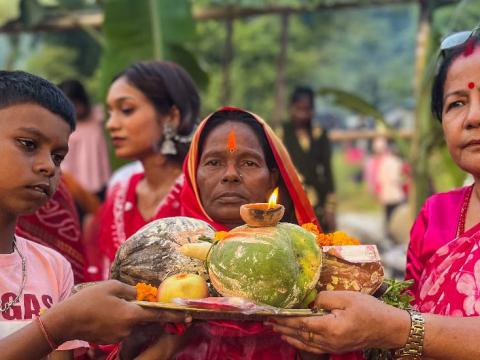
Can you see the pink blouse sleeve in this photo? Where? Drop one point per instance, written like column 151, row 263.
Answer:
column 417, row 234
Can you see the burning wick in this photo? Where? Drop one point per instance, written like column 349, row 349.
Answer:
column 471, row 85
column 232, row 144
column 272, row 201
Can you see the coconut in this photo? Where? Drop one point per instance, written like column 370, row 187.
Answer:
column 151, row 254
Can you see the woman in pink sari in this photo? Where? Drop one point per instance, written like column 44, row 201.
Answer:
column 444, row 251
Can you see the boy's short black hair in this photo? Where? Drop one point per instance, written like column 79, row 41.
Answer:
column 18, row 87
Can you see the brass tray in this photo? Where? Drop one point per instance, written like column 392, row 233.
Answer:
column 214, row 314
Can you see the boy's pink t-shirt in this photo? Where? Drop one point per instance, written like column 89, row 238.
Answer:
column 49, row 281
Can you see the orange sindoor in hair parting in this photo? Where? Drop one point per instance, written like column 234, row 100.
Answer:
column 232, row 143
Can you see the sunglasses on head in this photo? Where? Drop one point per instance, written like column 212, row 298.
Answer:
column 458, row 38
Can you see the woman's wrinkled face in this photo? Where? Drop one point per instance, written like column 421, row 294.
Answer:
column 461, row 112
column 133, row 122
column 228, row 179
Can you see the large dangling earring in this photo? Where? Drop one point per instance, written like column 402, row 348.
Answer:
column 168, row 145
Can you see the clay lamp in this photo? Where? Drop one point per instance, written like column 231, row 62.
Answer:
column 263, row 214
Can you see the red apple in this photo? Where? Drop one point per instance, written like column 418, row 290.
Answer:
column 184, row 285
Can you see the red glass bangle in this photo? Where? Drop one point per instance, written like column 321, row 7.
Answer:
column 51, row 342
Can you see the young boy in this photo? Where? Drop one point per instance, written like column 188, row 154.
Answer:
column 36, row 120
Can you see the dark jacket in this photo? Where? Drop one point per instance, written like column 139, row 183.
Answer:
column 314, row 165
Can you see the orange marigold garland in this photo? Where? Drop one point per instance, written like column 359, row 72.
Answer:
column 331, row 239
column 146, row 292
column 311, row 227
column 342, row 238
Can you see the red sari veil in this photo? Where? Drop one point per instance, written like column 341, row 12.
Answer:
column 190, row 198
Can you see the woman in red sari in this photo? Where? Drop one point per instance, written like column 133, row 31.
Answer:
column 222, row 174
column 153, row 107
column 444, row 251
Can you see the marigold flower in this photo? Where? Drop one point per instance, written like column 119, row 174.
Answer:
column 146, row 292
column 311, row 227
column 342, row 238
column 336, row 238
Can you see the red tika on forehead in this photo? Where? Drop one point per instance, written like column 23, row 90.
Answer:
column 471, row 85
column 232, row 143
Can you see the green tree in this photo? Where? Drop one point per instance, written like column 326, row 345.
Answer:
column 143, row 30
column 55, row 63
column 364, row 51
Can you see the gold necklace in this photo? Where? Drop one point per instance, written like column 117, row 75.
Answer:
column 463, row 211
column 7, row 306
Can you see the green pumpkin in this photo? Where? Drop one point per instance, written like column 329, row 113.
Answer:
column 277, row 266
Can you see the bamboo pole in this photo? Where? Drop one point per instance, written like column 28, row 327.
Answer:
column 94, row 18
column 419, row 154
column 217, row 13
column 227, row 62
column 280, row 81
column 350, row 135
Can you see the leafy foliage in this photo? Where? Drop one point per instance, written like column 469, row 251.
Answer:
column 55, row 63
column 144, row 30
column 352, row 102
column 9, row 10
column 394, row 295
column 462, row 16
column 55, row 55
column 88, row 50
column 362, row 51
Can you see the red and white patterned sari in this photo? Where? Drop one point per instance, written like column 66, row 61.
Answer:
column 120, row 217
column 443, row 259
column 450, row 283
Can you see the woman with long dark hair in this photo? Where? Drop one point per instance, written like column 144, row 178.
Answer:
column 152, row 110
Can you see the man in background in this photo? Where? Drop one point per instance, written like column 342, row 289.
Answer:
column 309, row 147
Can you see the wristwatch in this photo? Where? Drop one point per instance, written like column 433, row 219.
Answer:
column 413, row 349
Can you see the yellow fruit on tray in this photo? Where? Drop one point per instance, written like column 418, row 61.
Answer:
column 184, row 285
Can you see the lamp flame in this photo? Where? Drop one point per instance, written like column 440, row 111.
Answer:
column 272, row 201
